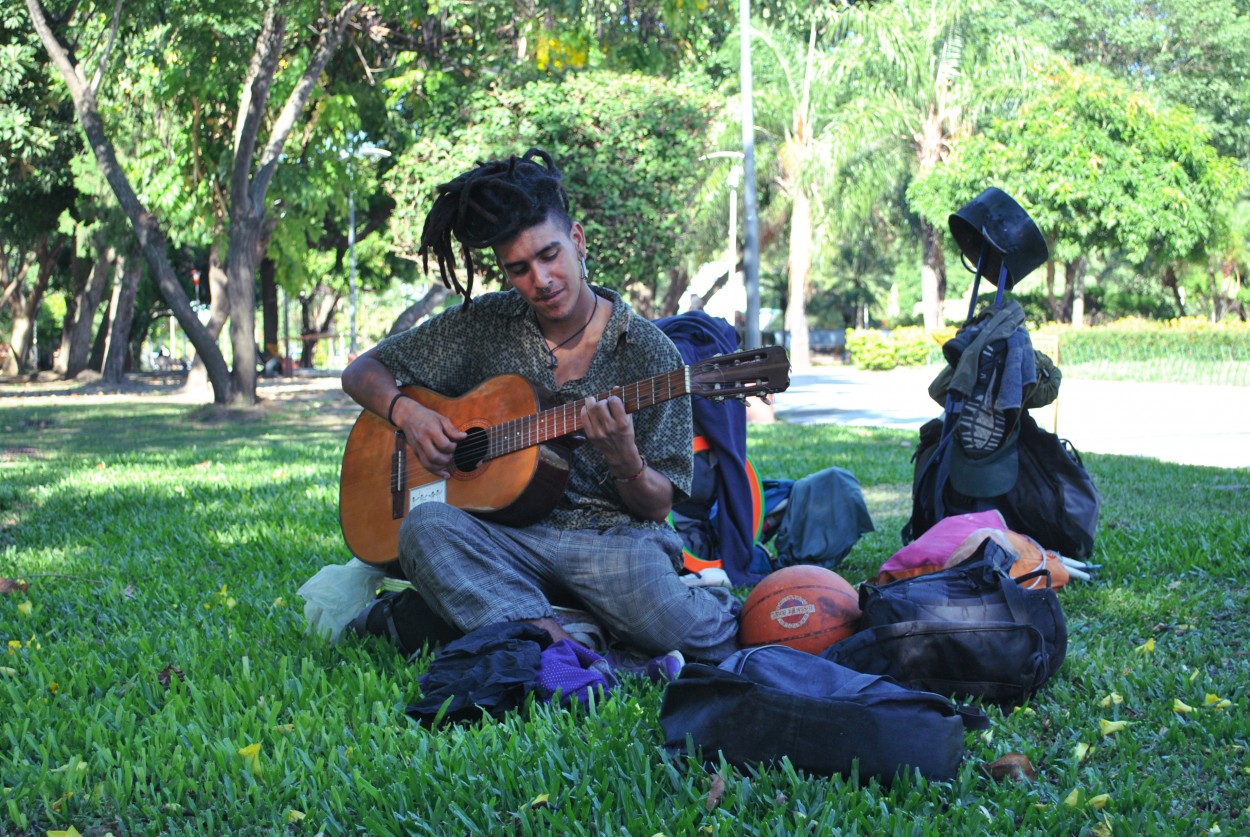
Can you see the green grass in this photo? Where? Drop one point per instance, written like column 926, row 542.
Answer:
column 163, row 549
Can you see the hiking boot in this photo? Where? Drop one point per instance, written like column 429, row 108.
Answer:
column 982, row 425
column 661, row 669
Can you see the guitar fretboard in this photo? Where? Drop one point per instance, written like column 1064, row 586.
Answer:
column 521, row 433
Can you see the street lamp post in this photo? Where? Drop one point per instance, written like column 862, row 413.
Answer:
column 369, row 153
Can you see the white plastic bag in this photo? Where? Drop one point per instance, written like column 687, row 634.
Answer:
column 337, row 593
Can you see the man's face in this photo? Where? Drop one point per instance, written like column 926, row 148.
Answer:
column 543, row 263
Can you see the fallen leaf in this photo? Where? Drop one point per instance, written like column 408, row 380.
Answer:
column 1099, row 802
column 293, row 816
column 540, row 801
column 1180, row 707
column 25, row 608
column 716, row 791
column 166, row 675
column 1080, row 752
column 1146, row 647
column 69, row 832
column 1073, row 799
column 1114, row 697
column 8, row 585
column 1013, row 766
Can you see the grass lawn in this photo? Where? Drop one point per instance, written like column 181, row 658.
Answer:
column 157, row 677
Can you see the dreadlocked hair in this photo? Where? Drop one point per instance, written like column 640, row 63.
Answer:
column 487, row 205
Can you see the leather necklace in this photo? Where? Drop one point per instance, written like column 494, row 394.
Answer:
column 551, row 350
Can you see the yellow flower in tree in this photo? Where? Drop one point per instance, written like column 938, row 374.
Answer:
column 1111, row 727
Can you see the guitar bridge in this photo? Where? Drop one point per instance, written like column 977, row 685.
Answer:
column 399, row 476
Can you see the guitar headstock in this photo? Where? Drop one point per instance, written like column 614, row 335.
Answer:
column 752, row 372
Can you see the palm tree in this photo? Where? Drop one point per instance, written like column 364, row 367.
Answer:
column 795, row 112
column 917, row 75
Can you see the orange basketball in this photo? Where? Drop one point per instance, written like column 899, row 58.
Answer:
column 805, row 607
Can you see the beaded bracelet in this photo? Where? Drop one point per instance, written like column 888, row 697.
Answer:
column 635, row 476
column 390, row 411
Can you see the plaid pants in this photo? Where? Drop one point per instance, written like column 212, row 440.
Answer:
column 473, row 573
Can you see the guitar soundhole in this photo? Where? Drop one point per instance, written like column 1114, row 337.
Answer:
column 471, row 450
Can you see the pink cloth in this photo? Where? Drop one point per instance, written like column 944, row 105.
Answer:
column 934, row 547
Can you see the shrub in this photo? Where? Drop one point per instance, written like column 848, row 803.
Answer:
column 906, row 346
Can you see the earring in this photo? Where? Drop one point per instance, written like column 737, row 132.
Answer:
column 585, row 275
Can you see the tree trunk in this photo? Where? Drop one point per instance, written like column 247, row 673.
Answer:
column 932, row 277
column 1078, row 292
column 241, row 290
column 122, row 306
column 253, row 171
column 1217, row 296
column 1051, row 302
column 146, row 227
column 678, row 281
column 413, row 313
column 80, row 275
column 316, row 314
column 641, row 298
column 269, row 307
column 800, row 267
column 219, row 311
column 77, row 349
column 1170, row 281
column 24, row 307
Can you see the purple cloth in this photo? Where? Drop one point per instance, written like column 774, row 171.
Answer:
column 573, row 671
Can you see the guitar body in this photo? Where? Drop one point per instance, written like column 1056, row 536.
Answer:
column 382, row 479
column 515, row 462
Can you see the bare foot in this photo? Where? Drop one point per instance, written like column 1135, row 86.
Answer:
column 552, row 627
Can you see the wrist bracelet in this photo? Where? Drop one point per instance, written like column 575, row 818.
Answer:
column 390, row 411
column 635, row 476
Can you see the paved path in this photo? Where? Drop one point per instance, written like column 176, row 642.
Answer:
column 1193, row 424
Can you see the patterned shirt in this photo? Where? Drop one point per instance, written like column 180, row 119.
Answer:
column 498, row 334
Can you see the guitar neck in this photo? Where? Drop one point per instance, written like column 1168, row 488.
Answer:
column 521, row 433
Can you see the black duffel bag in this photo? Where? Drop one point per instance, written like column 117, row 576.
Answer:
column 970, row 630
column 1052, row 500
column 765, row 703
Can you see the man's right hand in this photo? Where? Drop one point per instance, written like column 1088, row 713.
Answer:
column 431, row 435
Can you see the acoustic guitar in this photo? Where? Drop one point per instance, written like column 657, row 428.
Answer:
column 514, row 462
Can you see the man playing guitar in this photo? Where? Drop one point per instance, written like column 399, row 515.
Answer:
column 605, row 547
